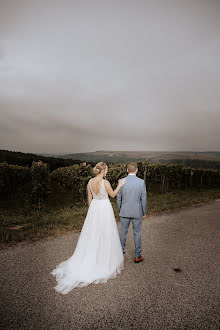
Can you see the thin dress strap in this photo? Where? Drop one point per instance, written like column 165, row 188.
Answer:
column 90, row 184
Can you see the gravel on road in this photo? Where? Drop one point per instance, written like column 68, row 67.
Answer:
column 177, row 286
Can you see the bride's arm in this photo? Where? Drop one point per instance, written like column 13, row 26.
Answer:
column 109, row 188
column 89, row 194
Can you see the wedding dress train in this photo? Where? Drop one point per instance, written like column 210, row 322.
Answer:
column 98, row 254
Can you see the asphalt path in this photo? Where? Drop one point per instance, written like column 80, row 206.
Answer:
column 177, row 286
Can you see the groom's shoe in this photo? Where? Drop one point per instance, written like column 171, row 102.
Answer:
column 136, row 260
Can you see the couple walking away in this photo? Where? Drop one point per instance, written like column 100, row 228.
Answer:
column 99, row 253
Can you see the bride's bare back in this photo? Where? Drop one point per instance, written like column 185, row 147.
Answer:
column 96, row 185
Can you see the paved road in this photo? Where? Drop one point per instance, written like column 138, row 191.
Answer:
column 149, row 295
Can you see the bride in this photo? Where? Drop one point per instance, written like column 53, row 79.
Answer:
column 98, row 254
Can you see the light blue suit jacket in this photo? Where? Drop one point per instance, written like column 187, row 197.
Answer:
column 132, row 198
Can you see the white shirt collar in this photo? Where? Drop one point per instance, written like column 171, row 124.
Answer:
column 131, row 174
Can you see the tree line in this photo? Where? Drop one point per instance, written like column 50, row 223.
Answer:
column 158, row 177
column 26, row 159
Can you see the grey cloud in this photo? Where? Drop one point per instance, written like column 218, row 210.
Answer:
column 83, row 76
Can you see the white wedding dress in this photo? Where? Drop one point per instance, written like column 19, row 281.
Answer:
column 98, row 254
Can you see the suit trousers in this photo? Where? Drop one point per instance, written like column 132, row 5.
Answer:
column 137, row 226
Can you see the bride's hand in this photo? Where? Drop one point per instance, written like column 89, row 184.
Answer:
column 122, row 182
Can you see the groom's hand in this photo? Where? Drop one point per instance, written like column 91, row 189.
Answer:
column 144, row 216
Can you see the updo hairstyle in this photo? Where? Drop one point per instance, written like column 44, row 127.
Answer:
column 99, row 167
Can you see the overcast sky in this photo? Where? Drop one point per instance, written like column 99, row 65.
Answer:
column 79, row 76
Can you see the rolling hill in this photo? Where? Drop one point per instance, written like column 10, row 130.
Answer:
column 209, row 159
column 206, row 159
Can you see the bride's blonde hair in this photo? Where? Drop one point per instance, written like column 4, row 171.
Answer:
column 99, row 167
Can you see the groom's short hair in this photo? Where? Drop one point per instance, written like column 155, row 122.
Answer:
column 131, row 167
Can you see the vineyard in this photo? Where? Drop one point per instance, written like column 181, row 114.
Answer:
column 37, row 180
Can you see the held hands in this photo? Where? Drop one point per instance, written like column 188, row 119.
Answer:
column 121, row 182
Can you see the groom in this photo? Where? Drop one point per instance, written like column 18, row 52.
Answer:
column 132, row 205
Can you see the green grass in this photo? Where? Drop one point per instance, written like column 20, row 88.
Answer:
column 181, row 198
column 61, row 214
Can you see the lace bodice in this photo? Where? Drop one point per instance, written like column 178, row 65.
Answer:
column 102, row 193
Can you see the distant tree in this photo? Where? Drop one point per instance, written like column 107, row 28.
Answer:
column 40, row 182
